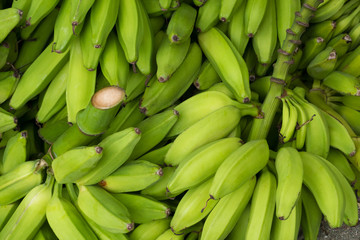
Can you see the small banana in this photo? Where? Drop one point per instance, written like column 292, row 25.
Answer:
column 327, row 10
column 324, row 29
column 4, row 53
column 207, row 76
column 15, row 152
column 349, row 64
column 239, row 167
column 228, row 7
column 157, row 156
column 169, row 234
column 104, row 209
column 78, row 11
column 262, row 207
column 208, row 15
column 116, row 150
column 312, row 47
column 355, row 36
column 289, row 121
column 254, row 14
column 143, row 209
column 199, row 3
column 311, row 215
column 133, row 176
column 16, row 183
column 341, row 163
column 8, row 83
column 348, row 7
column 350, row 116
column 156, row 24
column 341, row 43
column 322, row 64
column 343, row 82
column 285, row 15
column 232, row 69
column 226, row 118
column 221, row 87
column 52, row 130
column 45, row 233
column 6, row 211
column 239, row 230
column 10, row 17
column 150, row 230
column 24, row 6
column 225, row 214
column 289, row 168
column 236, row 29
column 344, row 22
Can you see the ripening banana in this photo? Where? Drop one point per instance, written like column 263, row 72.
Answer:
column 143, row 209
column 236, row 31
column 201, row 164
column 15, row 152
column 300, row 134
column 104, row 209
column 10, row 17
column 350, row 63
column 289, row 169
column 157, row 155
column 325, row 187
column 16, row 183
column 254, row 14
column 342, row 82
column 225, row 214
column 262, row 207
column 65, row 220
column 193, row 207
column 29, row 216
column 150, row 230
column 311, row 215
column 206, row 131
column 327, row 10
column 239, row 167
column 78, row 11
column 232, row 69
column 207, row 76
column 116, row 150
column 322, row 64
column 133, row 176
column 208, row 15
column 341, row 163
column 38, row 76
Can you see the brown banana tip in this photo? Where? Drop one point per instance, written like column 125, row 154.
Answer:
column 357, row 92
column 347, row 38
column 176, row 112
column 163, row 9
column 27, row 22
column 250, row 35
column 252, row 77
column 137, row 131
column 143, row 110
column 98, row 149
column 90, row 69
column 198, row 30
column 159, row 172
column 241, row 141
column 130, row 226
column 5, row 45
column 196, row 83
column 24, row 134
column 320, row 39
column 97, row 46
column 102, row 183
column 223, row 19
column 74, row 25
column 52, row 47
column 333, row 24
column 168, row 212
column 167, row 190
column 175, row 38
column 246, row 100
column 332, row 55
column 20, row 13
column 352, row 153
column 281, row 218
column 58, row 51
column 133, row 66
column 16, row 120
column 163, row 79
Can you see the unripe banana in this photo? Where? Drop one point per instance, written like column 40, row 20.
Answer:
column 341, row 43
column 199, row 3
column 208, row 15
column 156, row 24
column 355, row 36
column 143, row 209
column 207, row 76
column 45, row 233
column 24, row 6
column 79, row 9
column 226, row 118
column 239, row 166
column 254, row 14
column 19, row 181
column 343, row 83
column 341, row 163
column 52, row 130
column 236, row 30
column 349, row 64
column 285, row 15
column 350, row 116
column 116, row 150
column 6, row 211
column 343, row 23
column 150, row 230
column 312, row 47
column 10, row 17
column 104, row 209
column 289, row 121
column 15, row 152
column 322, row 64
column 327, row 10
column 157, row 156
column 8, row 83
column 4, row 53
column 311, row 215
column 348, row 7
column 239, row 230
column 324, row 29
column 221, row 87
column 169, row 234
column 227, row 62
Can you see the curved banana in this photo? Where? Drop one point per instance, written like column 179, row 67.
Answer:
column 207, row 76
column 322, row 64
column 350, row 116
column 311, row 215
column 24, row 6
column 285, row 15
column 150, row 230
column 327, row 10
column 6, row 211
column 8, row 83
column 324, row 29
column 341, row 163
column 208, row 15
column 136, row 86
column 15, row 152
column 343, row 82
column 157, row 155
column 349, row 64
column 312, row 47
column 355, row 36
column 79, row 9
column 289, row 121
column 254, row 14
column 236, row 31
column 10, row 17
column 169, row 234
column 343, row 23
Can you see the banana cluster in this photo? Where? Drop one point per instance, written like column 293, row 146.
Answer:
column 178, row 119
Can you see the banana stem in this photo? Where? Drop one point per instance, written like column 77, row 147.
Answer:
column 261, row 127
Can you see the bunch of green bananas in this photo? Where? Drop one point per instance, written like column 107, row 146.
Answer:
column 161, row 119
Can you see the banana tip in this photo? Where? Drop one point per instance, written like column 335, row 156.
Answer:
column 130, row 226
column 143, row 110
column 168, row 212
column 223, row 19
column 137, row 131
column 250, row 35
column 246, row 100
column 102, row 183
column 175, row 38
column 352, row 153
column 282, row 218
column 24, row 134
column 159, row 172
column 98, row 149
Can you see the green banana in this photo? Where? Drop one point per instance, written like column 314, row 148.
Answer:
column 133, row 176
column 104, row 234
column 169, row 234
column 153, row 8
column 341, row 163
column 239, row 230
column 355, row 36
column 10, row 17
column 4, row 53
column 24, row 6
column 348, row 7
column 254, row 14
column 201, row 164
column 15, row 152
column 11, row 42
column 239, row 166
column 350, row 116
column 232, row 69
column 348, row 65
column 227, row 9
column 64, row 219
column 6, row 211
column 116, row 150
column 300, row 134
column 157, row 156
column 207, row 76
column 52, row 130
column 208, row 15
column 8, row 83
column 289, row 121
column 225, row 214
column 16, row 183
column 169, row 58
column 285, row 15
column 143, row 209
column 324, row 29
column 156, row 23
column 343, row 23
column 79, row 9
column 289, row 168
column 104, row 209
column 54, row 97
column 5, row 136
column 29, row 216
column 343, row 82
column 311, row 215
column 341, row 43
column 312, row 47
column 236, row 30
column 262, row 207
column 150, row 230
column 327, row 10
column 221, row 87
column 159, row 96
column 226, row 118
column 76, row 163
column 347, row 100
column 38, row 76
column 322, row 64
column 45, row 233
column 136, row 85
column 199, row 3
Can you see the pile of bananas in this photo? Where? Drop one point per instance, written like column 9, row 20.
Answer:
column 178, row 119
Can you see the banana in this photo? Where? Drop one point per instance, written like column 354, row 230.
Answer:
column 8, row 83
column 136, row 85
column 289, row 168
column 181, row 24
column 153, row 8
column 341, row 43
column 206, row 131
column 190, row 209
column 80, row 85
column 133, row 176
column 38, row 76
column 289, row 121
column 150, row 230
column 32, row 47
column 199, row 3
column 157, row 156
column 169, row 58
column 104, row 234
column 239, row 167
column 15, row 152
column 4, row 53
column 52, row 130
column 165, row 4
column 156, row 23
column 350, row 116
column 227, row 8
column 347, row 100
column 79, row 9
column 221, row 87
column 341, row 163
column 312, row 47
column 355, row 36
column 10, row 17
column 38, row 11
column 169, row 234
column 159, row 96
column 288, row 229
column 322, row 64
column 330, row 197
column 16, row 183
column 343, row 23
column 201, row 164
column 143, row 209
column 104, row 209
column 285, row 15
column 300, row 134
column 262, row 207
column 129, row 29
column 54, row 97
column 349, row 64
column 254, row 14
column 207, row 76
column 24, row 6
column 208, row 15
column 232, row 69
column 65, row 220
column 236, row 29
column 6, row 135
column 239, row 230
column 6, row 211
column 116, row 150
column 327, row 10
column 342, row 82
column 324, row 29
column 11, row 42
column 348, row 7
column 225, row 214
column 76, row 163
column 265, row 39
column 153, row 131
column 311, row 215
